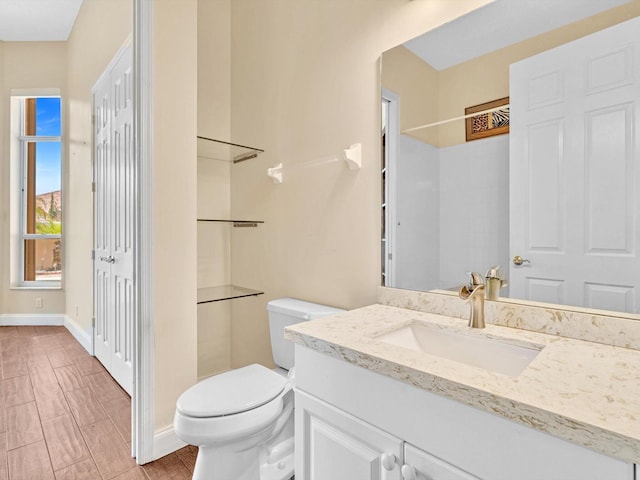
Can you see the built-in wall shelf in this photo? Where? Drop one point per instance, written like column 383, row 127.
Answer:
column 236, row 223
column 227, row 151
column 225, row 292
column 212, row 148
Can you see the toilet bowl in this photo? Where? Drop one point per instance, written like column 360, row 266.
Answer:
column 248, row 407
column 242, row 420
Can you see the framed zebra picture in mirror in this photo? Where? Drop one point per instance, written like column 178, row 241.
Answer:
column 491, row 118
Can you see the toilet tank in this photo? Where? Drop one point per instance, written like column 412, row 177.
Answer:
column 289, row 311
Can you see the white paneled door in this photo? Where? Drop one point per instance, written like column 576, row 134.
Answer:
column 114, row 177
column 575, row 171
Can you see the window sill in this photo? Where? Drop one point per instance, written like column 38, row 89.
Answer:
column 37, row 286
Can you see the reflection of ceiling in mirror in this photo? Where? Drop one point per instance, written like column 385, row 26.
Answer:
column 462, row 39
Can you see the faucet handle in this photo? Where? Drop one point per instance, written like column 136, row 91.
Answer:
column 495, row 272
column 475, row 279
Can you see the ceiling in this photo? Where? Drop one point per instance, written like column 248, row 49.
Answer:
column 498, row 25
column 37, row 20
column 52, row 20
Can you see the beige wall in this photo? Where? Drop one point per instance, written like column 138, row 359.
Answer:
column 305, row 85
column 100, row 30
column 416, row 82
column 174, row 175
column 214, row 183
column 214, row 68
column 26, row 65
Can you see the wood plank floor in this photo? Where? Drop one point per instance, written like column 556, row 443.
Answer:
column 62, row 417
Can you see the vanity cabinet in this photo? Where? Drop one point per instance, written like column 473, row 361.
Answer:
column 339, row 446
column 355, row 424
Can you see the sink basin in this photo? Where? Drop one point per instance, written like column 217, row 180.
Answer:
column 475, row 350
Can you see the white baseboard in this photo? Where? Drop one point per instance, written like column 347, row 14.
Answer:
column 31, row 320
column 49, row 319
column 166, row 442
column 84, row 337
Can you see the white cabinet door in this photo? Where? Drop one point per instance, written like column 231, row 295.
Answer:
column 419, row 465
column 332, row 445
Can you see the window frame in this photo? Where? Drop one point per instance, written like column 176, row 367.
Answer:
column 22, row 159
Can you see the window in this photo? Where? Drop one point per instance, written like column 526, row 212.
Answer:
column 38, row 151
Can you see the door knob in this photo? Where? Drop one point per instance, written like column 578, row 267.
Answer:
column 518, row 260
column 408, row 472
column 388, row 461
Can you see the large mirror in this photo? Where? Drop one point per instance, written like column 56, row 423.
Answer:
column 511, row 138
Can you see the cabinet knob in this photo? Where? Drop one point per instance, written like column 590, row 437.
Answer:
column 388, row 461
column 408, row 472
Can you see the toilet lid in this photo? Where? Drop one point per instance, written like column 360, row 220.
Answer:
column 231, row 392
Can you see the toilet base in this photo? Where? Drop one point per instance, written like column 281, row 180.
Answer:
column 273, row 460
column 213, row 464
column 283, row 470
column 277, row 460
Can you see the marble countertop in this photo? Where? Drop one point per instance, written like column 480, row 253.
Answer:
column 587, row 393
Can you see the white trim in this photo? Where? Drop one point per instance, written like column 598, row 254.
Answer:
column 121, row 51
column 165, row 442
column 143, row 438
column 393, row 134
column 40, row 138
column 19, row 157
column 41, row 236
column 32, row 320
column 84, row 337
column 53, row 285
column 49, row 319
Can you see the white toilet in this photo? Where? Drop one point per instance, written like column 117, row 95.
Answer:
column 242, row 420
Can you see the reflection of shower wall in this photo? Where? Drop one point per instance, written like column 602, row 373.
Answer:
column 453, row 211
column 417, row 253
column 474, row 208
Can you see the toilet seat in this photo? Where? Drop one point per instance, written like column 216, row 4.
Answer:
column 229, row 429
column 231, row 393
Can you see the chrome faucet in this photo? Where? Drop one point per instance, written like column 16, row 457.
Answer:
column 474, row 292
